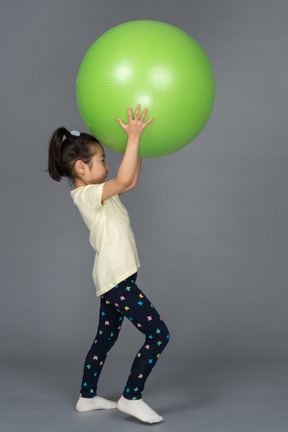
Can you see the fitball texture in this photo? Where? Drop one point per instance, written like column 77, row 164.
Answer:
column 153, row 64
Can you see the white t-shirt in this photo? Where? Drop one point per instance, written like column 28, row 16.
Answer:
column 111, row 236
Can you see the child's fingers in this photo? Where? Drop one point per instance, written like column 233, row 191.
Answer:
column 148, row 121
column 129, row 113
column 144, row 114
column 123, row 125
column 136, row 117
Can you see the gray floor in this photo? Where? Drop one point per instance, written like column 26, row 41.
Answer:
column 202, row 395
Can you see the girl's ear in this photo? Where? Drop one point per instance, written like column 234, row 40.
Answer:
column 78, row 166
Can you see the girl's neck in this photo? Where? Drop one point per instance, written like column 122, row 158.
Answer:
column 78, row 183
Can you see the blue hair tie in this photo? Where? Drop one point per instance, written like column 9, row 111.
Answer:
column 74, row 132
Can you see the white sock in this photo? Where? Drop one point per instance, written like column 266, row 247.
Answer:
column 138, row 408
column 90, row 404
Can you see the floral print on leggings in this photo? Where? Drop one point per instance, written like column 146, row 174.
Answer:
column 125, row 300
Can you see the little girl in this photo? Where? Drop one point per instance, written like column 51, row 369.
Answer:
column 81, row 158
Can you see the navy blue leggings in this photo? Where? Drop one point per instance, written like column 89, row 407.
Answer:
column 125, row 300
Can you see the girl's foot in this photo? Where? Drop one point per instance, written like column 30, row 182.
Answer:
column 138, row 408
column 90, row 404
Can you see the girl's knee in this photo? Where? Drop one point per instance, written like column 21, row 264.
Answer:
column 165, row 335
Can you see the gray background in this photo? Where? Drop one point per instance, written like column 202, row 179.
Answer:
column 210, row 221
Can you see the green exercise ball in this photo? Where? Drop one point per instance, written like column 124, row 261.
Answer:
column 153, row 64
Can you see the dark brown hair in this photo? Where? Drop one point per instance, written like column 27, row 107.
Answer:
column 64, row 153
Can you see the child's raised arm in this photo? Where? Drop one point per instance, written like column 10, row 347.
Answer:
column 126, row 172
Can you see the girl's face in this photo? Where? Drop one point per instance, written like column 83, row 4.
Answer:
column 98, row 170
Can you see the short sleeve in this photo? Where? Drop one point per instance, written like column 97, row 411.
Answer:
column 91, row 195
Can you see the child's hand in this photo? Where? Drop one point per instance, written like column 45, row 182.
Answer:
column 135, row 126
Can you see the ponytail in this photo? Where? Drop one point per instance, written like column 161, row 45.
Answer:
column 65, row 149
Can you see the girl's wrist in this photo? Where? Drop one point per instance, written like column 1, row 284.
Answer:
column 134, row 138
